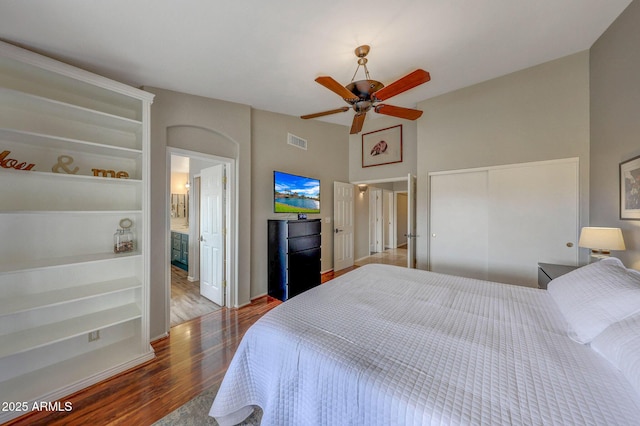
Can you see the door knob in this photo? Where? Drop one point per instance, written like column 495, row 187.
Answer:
column 201, row 238
column 569, row 244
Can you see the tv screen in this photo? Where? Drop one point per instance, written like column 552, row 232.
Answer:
column 295, row 194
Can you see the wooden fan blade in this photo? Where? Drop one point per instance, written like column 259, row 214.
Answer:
column 407, row 82
column 337, row 88
column 409, row 114
column 320, row 114
column 358, row 121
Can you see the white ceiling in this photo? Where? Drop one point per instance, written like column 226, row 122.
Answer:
column 267, row 53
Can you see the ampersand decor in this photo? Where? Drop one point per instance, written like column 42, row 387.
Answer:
column 63, row 162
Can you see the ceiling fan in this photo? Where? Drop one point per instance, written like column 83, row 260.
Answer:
column 364, row 95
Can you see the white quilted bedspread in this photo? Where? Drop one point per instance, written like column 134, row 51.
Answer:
column 384, row 345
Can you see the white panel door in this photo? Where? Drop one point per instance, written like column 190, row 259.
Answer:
column 458, row 224
column 212, row 234
column 343, row 217
column 533, row 218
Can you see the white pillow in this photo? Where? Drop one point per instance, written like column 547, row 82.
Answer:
column 595, row 296
column 620, row 345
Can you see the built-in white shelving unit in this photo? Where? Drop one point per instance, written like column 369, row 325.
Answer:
column 74, row 161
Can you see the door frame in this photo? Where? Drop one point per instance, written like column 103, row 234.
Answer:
column 376, row 216
column 231, row 244
column 371, row 183
column 412, row 222
column 389, row 208
column 195, row 220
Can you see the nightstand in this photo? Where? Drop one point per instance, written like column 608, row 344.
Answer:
column 550, row 271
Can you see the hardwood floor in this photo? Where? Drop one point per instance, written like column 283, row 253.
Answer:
column 186, row 302
column 397, row 256
column 193, row 358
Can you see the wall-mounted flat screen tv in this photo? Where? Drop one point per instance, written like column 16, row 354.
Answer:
column 295, row 194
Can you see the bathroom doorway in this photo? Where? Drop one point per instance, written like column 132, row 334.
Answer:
column 186, row 236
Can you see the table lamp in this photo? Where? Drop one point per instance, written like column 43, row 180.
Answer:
column 601, row 240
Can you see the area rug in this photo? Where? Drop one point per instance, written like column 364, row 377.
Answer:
column 196, row 412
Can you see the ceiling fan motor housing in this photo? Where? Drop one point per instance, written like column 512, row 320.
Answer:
column 364, row 88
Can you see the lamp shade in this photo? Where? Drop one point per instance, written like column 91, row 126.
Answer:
column 601, row 238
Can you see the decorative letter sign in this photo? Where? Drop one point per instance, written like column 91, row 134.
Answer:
column 110, row 173
column 10, row 163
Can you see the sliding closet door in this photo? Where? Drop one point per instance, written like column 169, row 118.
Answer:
column 498, row 223
column 533, row 217
column 458, row 224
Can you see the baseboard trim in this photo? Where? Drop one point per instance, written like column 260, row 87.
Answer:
column 160, row 337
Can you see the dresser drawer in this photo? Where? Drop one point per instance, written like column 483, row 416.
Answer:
column 294, row 256
column 304, row 243
column 303, row 227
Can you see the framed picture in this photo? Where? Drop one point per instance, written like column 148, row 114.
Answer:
column 630, row 189
column 382, row 146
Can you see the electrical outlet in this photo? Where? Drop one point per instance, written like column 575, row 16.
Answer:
column 94, row 335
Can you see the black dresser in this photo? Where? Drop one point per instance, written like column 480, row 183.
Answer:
column 294, row 257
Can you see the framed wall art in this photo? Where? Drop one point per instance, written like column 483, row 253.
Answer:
column 382, row 146
column 630, row 189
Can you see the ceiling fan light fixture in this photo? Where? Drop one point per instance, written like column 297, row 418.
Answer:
column 363, row 95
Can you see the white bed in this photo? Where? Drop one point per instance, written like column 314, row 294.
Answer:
column 384, row 345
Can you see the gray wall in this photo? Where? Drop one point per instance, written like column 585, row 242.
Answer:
column 326, row 158
column 229, row 128
column 375, row 175
column 357, row 173
column 257, row 140
column 540, row 113
column 615, row 123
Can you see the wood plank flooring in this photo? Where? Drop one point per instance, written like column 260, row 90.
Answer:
column 186, row 302
column 193, row 358
column 397, row 257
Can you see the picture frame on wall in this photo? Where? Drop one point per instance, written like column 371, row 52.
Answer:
column 382, row 146
column 630, row 189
